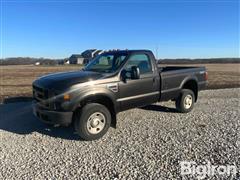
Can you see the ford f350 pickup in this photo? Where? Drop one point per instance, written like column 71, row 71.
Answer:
column 113, row 82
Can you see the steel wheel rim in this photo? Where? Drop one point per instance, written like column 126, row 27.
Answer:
column 188, row 101
column 96, row 122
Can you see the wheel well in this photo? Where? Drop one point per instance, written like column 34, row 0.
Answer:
column 104, row 100
column 192, row 85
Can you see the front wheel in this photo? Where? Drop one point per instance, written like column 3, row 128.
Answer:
column 92, row 121
column 185, row 101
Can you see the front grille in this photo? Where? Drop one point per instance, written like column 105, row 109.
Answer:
column 41, row 96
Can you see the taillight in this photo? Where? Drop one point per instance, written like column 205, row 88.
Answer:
column 206, row 76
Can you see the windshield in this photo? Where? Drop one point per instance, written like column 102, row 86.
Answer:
column 108, row 62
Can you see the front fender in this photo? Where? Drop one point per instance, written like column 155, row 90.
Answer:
column 91, row 92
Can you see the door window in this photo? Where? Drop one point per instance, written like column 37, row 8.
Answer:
column 142, row 61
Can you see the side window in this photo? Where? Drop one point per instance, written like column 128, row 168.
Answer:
column 142, row 61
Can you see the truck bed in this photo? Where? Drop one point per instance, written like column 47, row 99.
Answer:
column 174, row 77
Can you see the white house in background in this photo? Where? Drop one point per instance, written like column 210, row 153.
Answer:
column 37, row 63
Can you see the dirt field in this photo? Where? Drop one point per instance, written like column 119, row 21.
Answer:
column 220, row 75
column 16, row 80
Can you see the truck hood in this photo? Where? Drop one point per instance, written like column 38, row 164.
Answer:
column 61, row 81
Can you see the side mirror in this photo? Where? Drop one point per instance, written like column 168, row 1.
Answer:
column 135, row 72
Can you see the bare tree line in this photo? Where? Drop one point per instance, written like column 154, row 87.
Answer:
column 47, row 61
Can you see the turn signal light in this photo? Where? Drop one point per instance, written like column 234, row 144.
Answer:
column 66, row 97
column 206, row 76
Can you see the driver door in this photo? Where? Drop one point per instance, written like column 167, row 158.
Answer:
column 138, row 92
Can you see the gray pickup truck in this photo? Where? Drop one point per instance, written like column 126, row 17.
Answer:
column 113, row 82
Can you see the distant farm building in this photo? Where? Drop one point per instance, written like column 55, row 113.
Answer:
column 76, row 59
column 66, row 62
column 85, row 56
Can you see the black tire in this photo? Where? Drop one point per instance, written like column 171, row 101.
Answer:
column 181, row 104
column 82, row 117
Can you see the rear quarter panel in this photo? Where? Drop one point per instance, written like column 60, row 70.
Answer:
column 174, row 80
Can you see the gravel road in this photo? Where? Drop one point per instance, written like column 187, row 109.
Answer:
column 148, row 143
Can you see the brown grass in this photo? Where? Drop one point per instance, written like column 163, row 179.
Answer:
column 17, row 80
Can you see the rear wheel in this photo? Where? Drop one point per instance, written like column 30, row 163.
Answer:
column 92, row 121
column 185, row 101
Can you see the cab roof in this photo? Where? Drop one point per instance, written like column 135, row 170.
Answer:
column 129, row 51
